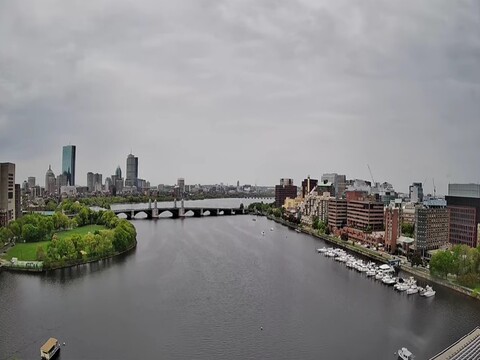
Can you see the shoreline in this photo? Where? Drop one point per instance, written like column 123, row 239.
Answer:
column 378, row 257
column 38, row 271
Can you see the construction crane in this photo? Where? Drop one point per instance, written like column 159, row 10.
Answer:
column 370, row 170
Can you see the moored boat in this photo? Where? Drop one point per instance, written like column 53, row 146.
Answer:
column 404, row 354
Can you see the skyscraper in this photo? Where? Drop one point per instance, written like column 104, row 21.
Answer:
column 50, row 181
column 118, row 172
column 68, row 163
column 7, row 193
column 132, row 171
column 90, row 181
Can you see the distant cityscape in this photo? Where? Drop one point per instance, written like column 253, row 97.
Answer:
column 367, row 212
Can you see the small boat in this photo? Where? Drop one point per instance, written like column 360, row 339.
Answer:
column 322, row 250
column 254, row 219
column 263, row 233
column 49, row 349
column 271, row 229
column 412, row 290
column 298, row 230
column 404, row 354
column 427, row 292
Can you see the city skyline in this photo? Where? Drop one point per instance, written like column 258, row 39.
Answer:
column 245, row 91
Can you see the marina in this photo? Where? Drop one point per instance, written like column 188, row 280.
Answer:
column 383, row 273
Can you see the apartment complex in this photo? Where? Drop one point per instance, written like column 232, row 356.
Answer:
column 393, row 228
column 337, row 213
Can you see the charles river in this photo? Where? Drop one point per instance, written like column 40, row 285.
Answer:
column 202, row 288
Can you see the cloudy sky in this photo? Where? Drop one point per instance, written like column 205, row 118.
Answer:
column 254, row 90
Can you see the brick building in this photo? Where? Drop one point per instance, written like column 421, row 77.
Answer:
column 284, row 190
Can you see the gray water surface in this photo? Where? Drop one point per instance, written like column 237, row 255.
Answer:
column 201, row 288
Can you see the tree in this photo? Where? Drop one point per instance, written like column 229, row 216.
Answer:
column 408, row 229
column 30, row 233
column 442, row 263
column 416, row 259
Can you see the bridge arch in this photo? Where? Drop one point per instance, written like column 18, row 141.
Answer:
column 140, row 215
column 165, row 214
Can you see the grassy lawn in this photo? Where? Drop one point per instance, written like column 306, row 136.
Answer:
column 28, row 251
column 80, row 231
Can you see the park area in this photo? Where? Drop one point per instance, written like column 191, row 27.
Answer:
column 28, row 251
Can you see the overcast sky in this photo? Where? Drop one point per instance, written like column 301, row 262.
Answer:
column 251, row 90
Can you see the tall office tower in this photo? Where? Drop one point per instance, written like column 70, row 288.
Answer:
column 31, row 182
column 284, row 190
column 90, row 183
column 118, row 172
column 181, row 184
column 68, row 163
column 7, row 193
column 416, row 192
column 97, row 182
column 132, row 171
column 50, row 181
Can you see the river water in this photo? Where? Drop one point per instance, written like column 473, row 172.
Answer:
column 202, row 288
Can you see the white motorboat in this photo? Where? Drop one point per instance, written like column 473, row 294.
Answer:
column 298, row 230
column 322, row 250
column 371, row 272
column 379, row 275
column 405, row 354
column 271, row 229
column 388, row 280
column 412, row 290
column 428, row 292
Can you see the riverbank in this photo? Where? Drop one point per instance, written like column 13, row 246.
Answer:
column 378, row 256
column 70, row 264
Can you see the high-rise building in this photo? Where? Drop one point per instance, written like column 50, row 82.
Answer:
column 90, row 181
column 308, row 185
column 132, row 171
column 392, row 228
column 118, row 172
column 416, row 192
column 463, row 204
column 431, row 226
column 68, row 163
column 284, row 190
column 31, row 182
column 50, row 181
column 97, row 182
column 7, row 193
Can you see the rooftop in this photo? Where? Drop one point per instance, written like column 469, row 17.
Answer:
column 49, row 345
column 467, row 348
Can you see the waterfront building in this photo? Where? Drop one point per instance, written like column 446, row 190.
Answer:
column 416, row 192
column 315, row 205
column 431, row 226
column 50, row 181
column 7, row 193
column 284, row 190
column 90, row 181
column 463, row 204
column 393, row 229
column 339, row 182
column 365, row 213
column 132, row 171
column 68, row 164
column 308, row 185
column 337, row 213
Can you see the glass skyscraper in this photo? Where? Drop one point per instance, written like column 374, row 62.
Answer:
column 68, row 163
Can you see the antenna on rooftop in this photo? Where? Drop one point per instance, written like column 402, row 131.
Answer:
column 370, row 170
column 434, row 189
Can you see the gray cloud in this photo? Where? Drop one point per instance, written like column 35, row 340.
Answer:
column 249, row 90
